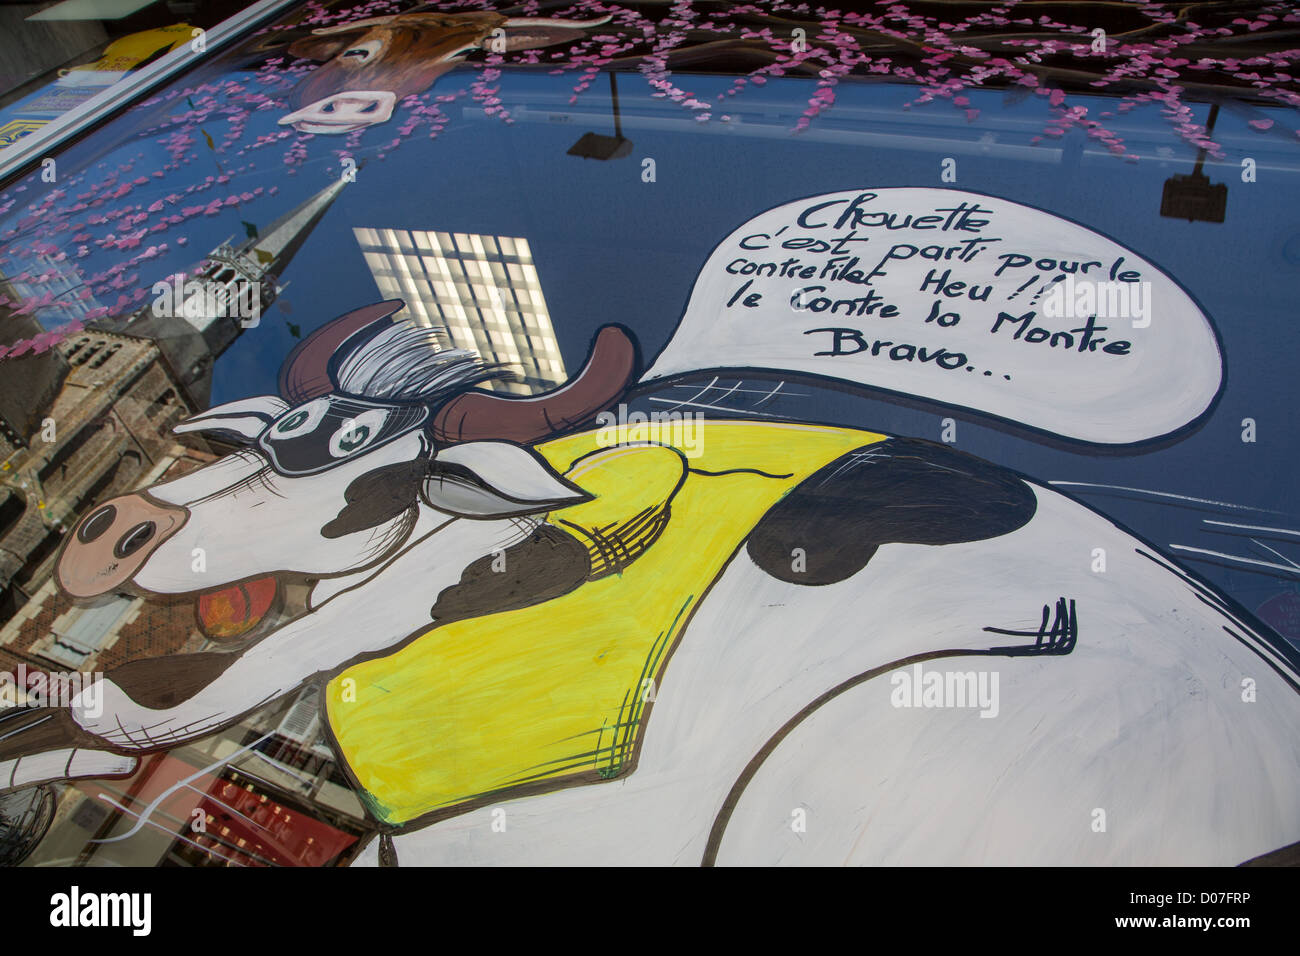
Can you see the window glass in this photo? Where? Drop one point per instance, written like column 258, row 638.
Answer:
column 496, row 201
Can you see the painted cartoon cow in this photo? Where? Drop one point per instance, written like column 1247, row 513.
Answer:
column 371, row 64
column 778, row 642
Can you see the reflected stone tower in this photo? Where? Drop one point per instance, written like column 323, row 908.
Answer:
column 204, row 313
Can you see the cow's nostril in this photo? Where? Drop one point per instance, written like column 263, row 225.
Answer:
column 94, row 526
column 135, row 539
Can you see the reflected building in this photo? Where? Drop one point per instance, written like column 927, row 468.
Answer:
column 484, row 290
column 30, row 382
column 106, row 431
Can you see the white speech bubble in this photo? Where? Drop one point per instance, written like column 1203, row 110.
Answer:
column 958, row 298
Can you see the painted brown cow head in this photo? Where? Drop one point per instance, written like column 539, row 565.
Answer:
column 371, row 64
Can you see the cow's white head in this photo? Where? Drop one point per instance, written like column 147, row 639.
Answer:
column 378, row 429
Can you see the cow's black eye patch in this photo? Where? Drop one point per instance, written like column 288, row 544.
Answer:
column 900, row 490
column 377, row 497
column 320, row 434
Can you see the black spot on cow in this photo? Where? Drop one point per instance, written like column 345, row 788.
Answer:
column 159, row 682
column 545, row 565
column 378, row 496
column 899, row 490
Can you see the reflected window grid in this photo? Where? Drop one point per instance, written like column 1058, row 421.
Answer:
column 483, row 289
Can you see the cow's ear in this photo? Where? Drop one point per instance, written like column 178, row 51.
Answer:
column 529, row 33
column 495, row 479
column 245, row 418
column 529, row 37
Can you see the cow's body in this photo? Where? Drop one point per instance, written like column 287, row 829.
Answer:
column 644, row 649
column 1144, row 719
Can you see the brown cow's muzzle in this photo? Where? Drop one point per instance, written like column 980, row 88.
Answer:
column 343, row 112
column 113, row 542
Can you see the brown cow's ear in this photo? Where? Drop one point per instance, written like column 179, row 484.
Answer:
column 321, row 48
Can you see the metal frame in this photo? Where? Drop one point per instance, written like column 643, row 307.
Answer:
column 130, row 88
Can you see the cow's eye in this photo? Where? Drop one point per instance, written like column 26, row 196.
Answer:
column 356, row 433
column 292, row 422
column 362, row 52
column 300, row 421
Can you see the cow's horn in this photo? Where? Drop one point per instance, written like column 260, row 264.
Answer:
column 478, row 415
column 545, row 22
column 305, row 372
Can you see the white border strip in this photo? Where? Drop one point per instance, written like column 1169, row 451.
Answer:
column 54, row 134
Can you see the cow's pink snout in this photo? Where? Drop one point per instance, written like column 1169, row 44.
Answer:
column 113, row 542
